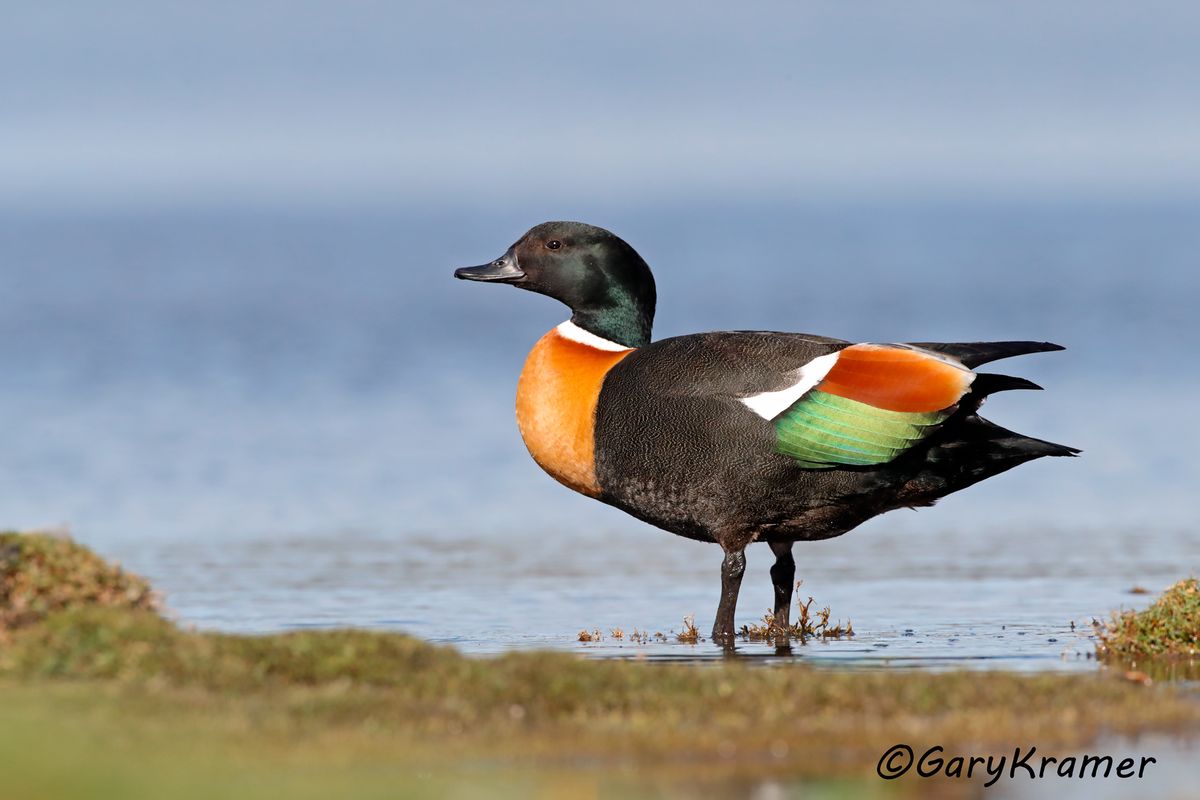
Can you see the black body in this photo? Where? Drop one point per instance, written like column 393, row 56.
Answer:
column 710, row 470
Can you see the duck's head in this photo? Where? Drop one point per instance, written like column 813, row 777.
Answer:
column 603, row 280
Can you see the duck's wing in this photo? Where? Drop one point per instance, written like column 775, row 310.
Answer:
column 972, row 354
column 825, row 403
column 863, row 405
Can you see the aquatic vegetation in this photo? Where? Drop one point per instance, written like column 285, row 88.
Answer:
column 808, row 626
column 636, row 636
column 690, row 634
column 1169, row 628
column 804, row 628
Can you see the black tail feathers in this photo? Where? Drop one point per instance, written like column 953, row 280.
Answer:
column 974, row 450
column 969, row 448
column 989, row 383
column 972, row 354
column 988, row 443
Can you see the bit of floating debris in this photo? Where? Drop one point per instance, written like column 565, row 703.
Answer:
column 635, row 637
column 811, row 625
column 805, row 628
column 690, row 634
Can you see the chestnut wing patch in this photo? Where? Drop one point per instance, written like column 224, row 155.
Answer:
column 875, row 402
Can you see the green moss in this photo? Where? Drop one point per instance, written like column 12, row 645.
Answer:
column 557, row 702
column 357, row 708
column 1170, row 628
column 41, row 574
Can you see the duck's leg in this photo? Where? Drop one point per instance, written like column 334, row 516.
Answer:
column 732, row 569
column 783, row 576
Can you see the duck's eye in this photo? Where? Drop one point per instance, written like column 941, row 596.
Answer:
column 554, row 244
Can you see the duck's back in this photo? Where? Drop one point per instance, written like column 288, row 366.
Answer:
column 677, row 446
column 688, row 434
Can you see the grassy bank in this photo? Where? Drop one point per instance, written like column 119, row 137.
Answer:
column 1163, row 640
column 134, row 703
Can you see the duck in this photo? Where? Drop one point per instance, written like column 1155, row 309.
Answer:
column 742, row 437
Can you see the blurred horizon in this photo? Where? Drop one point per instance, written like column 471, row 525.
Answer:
column 137, row 103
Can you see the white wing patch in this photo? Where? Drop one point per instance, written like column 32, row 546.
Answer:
column 770, row 405
column 569, row 330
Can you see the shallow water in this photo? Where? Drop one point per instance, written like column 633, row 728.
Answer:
column 1004, row 599
column 295, row 419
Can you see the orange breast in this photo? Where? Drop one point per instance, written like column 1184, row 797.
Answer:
column 556, row 407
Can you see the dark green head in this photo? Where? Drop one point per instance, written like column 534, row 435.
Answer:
column 603, row 280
